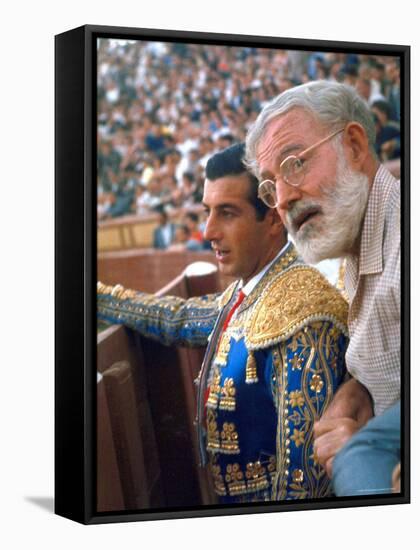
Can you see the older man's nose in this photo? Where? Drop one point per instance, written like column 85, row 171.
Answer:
column 286, row 194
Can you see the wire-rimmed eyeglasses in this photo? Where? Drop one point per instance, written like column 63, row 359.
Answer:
column 292, row 171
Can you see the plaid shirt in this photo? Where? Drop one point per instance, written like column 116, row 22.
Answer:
column 372, row 282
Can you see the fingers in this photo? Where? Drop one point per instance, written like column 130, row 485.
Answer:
column 330, row 437
column 326, row 425
column 329, row 467
column 353, row 401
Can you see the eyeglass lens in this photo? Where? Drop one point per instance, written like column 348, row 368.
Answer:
column 293, row 171
column 267, row 193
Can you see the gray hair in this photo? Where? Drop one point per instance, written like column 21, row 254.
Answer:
column 331, row 103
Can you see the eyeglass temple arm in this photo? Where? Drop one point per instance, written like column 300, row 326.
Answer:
column 309, row 149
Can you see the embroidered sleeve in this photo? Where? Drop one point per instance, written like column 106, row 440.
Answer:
column 169, row 319
column 307, row 370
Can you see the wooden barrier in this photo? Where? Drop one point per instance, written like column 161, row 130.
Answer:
column 149, row 270
column 147, row 445
column 126, row 232
column 132, row 231
column 128, row 472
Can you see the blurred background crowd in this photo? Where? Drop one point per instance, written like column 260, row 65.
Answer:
column 165, row 108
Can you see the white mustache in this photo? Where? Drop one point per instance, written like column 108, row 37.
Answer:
column 297, row 209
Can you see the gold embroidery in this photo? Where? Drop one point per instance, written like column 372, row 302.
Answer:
column 254, row 470
column 298, row 437
column 295, row 417
column 334, row 333
column 314, row 458
column 214, row 392
column 271, row 468
column 278, row 268
column 229, row 439
column 216, row 471
column 297, row 296
column 295, row 343
column 228, row 393
column 296, row 362
column 223, row 350
column 235, row 479
column 213, row 436
column 317, row 383
column 256, row 476
column 298, row 491
column 279, row 491
column 317, row 372
column 227, row 294
column 116, row 291
column 296, row 398
column 251, row 369
column 297, row 476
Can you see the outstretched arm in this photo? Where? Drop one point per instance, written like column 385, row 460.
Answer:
column 169, row 319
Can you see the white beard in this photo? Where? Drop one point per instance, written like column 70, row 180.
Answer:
column 333, row 233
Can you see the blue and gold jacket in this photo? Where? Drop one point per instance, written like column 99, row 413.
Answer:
column 264, row 380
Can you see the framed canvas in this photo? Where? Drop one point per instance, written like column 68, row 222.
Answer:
column 139, row 112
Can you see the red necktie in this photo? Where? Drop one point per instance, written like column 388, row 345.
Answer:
column 239, row 300
column 235, row 306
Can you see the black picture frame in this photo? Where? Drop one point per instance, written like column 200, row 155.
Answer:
column 76, row 271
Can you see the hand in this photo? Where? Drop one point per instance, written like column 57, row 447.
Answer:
column 350, row 409
column 352, row 400
column 330, row 436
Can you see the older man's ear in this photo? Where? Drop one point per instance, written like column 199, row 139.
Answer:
column 357, row 151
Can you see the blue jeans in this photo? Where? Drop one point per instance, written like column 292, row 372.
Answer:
column 365, row 464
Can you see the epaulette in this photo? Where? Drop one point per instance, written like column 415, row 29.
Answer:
column 296, row 297
column 227, row 294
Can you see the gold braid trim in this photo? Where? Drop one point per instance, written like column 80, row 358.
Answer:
column 296, row 297
column 117, row 291
column 251, row 376
column 227, row 294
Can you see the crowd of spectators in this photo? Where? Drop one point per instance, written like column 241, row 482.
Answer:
column 165, row 108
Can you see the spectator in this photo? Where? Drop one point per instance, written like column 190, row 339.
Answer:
column 196, row 238
column 367, row 91
column 190, row 192
column 181, row 238
column 141, row 201
column 387, row 144
column 158, row 103
column 393, row 73
column 171, row 194
column 108, row 164
column 122, row 200
column 163, row 235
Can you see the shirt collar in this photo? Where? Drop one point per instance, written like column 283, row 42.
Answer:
column 252, row 283
column 371, row 259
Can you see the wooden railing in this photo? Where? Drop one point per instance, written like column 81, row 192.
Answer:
column 146, row 402
column 132, row 231
column 149, row 269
